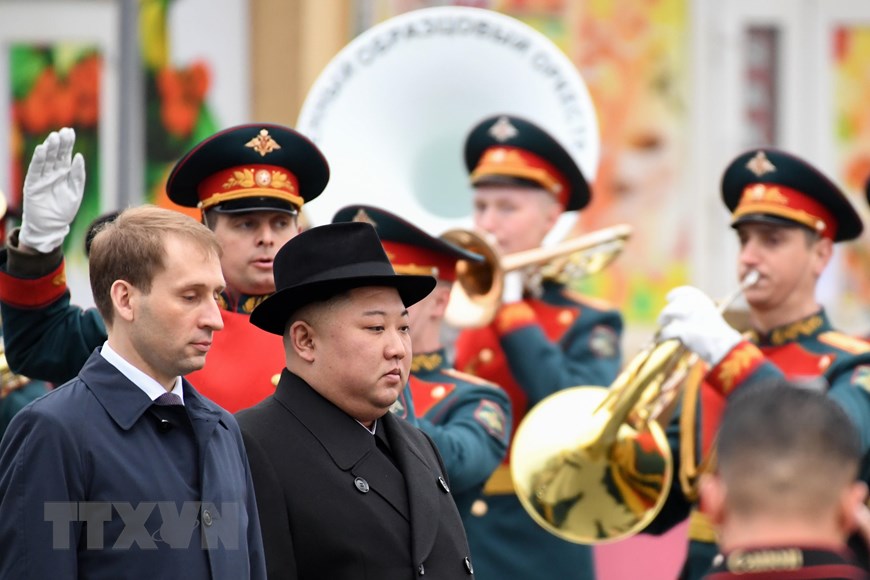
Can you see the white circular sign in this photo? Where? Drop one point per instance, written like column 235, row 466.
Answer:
column 391, row 111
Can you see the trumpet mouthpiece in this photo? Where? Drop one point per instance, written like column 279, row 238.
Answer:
column 751, row 279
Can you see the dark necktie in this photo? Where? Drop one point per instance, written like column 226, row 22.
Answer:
column 168, row 400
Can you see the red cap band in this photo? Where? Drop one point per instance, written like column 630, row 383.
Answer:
column 407, row 259
column 249, row 181
column 788, row 203
column 514, row 162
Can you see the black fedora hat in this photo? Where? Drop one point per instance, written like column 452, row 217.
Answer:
column 773, row 186
column 249, row 168
column 510, row 150
column 328, row 259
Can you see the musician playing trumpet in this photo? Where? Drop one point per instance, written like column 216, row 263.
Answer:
column 544, row 337
column 787, row 216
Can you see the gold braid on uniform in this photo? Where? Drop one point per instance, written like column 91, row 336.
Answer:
column 689, row 468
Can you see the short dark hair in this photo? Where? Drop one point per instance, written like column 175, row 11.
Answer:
column 95, row 226
column 132, row 248
column 786, row 447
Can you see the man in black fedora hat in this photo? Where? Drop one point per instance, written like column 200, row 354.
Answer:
column 467, row 418
column 344, row 488
column 249, row 181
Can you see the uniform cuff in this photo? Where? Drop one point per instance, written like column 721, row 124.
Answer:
column 32, row 292
column 740, row 362
column 28, row 263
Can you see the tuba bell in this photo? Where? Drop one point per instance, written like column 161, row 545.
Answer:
column 592, row 465
column 391, row 111
column 476, row 296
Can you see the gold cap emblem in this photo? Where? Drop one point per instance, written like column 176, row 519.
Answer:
column 362, row 216
column 502, row 130
column 263, row 143
column 760, row 164
column 263, row 177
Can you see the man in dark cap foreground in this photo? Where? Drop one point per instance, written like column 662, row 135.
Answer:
column 784, row 499
column 344, row 488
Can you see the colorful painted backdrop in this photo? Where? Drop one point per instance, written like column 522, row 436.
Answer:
column 850, row 56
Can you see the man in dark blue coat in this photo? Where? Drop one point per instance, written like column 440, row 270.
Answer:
column 126, row 471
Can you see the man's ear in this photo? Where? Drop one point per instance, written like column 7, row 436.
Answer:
column 824, row 250
column 852, row 499
column 441, row 296
column 124, row 299
column 301, row 338
column 712, row 497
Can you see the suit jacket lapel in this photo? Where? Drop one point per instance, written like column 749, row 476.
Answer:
column 419, row 477
column 344, row 439
column 384, row 478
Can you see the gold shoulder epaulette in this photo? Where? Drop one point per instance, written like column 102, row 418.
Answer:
column 468, row 378
column 585, row 300
column 845, row 342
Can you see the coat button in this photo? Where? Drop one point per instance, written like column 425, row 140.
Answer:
column 443, row 484
column 468, row 567
column 421, row 570
column 361, row 484
column 206, row 518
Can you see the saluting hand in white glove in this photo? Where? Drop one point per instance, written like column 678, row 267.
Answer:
column 693, row 318
column 53, row 190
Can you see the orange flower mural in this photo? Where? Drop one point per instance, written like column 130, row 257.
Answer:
column 182, row 92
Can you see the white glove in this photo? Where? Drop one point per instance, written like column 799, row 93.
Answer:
column 53, row 190
column 691, row 317
column 513, row 287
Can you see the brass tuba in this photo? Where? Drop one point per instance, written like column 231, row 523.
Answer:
column 476, row 296
column 592, row 465
column 391, row 111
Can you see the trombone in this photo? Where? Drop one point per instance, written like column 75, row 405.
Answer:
column 476, row 296
column 593, row 465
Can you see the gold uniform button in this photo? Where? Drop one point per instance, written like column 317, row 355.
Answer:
column 565, row 317
column 479, row 508
column 486, row 355
column 275, row 379
column 438, row 392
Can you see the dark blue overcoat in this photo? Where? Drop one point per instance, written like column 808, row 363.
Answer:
column 142, row 499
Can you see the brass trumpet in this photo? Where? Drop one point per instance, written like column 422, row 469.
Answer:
column 592, row 465
column 476, row 297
